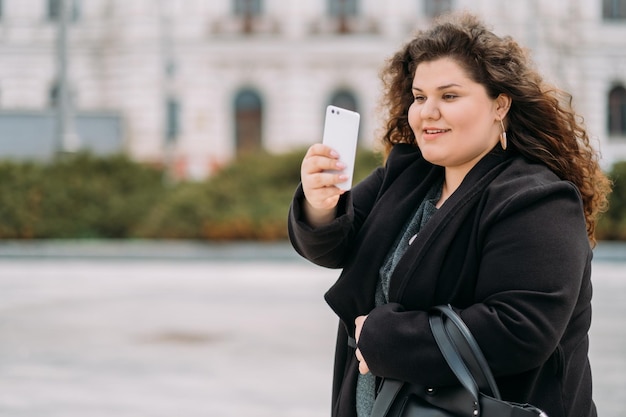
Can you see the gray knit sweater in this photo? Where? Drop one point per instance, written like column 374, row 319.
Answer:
column 366, row 384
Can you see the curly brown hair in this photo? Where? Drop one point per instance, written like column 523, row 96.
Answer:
column 541, row 123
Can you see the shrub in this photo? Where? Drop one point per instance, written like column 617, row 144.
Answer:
column 82, row 196
column 612, row 224
column 21, row 195
column 247, row 200
column 78, row 196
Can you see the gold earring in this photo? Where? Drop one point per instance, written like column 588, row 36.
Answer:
column 503, row 136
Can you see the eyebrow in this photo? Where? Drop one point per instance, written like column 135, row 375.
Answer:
column 443, row 87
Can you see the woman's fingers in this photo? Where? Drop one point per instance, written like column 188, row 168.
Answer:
column 322, row 179
column 316, row 162
column 321, row 150
column 321, row 170
column 363, row 368
column 358, row 322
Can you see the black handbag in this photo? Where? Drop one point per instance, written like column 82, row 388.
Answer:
column 476, row 395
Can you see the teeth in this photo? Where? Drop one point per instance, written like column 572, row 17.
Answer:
column 435, row 131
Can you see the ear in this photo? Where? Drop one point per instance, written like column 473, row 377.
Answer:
column 503, row 104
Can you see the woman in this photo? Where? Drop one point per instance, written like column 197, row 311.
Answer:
column 487, row 201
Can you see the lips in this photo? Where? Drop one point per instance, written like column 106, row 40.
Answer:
column 430, row 131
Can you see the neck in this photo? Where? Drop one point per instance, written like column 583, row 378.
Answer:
column 451, row 182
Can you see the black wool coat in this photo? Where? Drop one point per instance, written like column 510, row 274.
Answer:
column 509, row 250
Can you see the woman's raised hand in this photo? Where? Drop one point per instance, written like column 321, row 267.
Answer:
column 319, row 185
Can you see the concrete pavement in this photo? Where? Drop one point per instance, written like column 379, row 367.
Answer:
column 222, row 337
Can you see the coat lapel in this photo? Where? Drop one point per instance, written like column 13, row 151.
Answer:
column 353, row 293
column 427, row 254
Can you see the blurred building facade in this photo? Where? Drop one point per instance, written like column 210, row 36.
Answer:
column 197, row 82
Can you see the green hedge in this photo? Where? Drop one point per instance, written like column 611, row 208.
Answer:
column 76, row 197
column 612, row 224
column 247, row 200
column 87, row 197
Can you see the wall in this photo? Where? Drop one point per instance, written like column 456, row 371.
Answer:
column 128, row 56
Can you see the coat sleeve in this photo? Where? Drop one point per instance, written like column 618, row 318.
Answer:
column 330, row 245
column 533, row 280
column 534, row 256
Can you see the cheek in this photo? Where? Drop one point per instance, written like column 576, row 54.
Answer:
column 413, row 116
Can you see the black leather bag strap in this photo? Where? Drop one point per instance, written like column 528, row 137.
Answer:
column 463, row 355
column 452, row 333
column 464, row 348
column 386, row 396
column 454, row 360
column 444, row 336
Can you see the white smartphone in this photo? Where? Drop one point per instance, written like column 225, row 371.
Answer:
column 341, row 131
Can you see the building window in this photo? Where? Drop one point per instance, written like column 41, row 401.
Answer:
column 172, row 119
column 247, row 10
column 54, row 9
column 342, row 11
column 344, row 99
column 339, row 8
column 247, row 7
column 614, row 9
column 617, row 111
column 54, row 95
column 434, row 8
column 248, row 121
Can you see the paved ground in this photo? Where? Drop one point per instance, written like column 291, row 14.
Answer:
column 228, row 336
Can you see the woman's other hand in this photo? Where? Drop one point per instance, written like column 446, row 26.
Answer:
column 319, row 185
column 363, row 368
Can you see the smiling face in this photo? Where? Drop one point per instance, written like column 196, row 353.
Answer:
column 454, row 121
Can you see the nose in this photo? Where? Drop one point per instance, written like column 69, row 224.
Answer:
column 430, row 110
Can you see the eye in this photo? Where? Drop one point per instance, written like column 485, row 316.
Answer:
column 419, row 98
column 449, row 96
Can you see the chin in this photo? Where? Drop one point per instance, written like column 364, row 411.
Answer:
column 434, row 159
